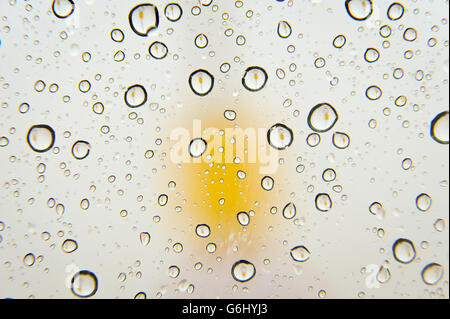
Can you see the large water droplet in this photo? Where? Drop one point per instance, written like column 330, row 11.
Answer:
column 404, row 251
column 371, row 55
column 280, row 136
column 243, row 270
column 84, row 284
column 201, row 41
column 158, row 50
column 395, row 11
column 144, row 238
column 202, row 230
column 243, row 218
column 201, row 82
column 323, row 202
column 143, row 19
column 322, row 117
column 284, row 29
column 339, row 41
column 423, row 202
column 174, row 271
column 341, row 140
column 230, row 115
column 359, row 9
column 432, row 274
column 384, row 274
column 173, row 12
column 373, row 93
column 29, row 260
column 255, row 78
column 69, row 246
column 300, row 254
column 41, row 138
column 440, row 128
column 267, row 183
column 80, row 149
column 63, row 8
column 289, row 211
column 135, row 96
column 197, row 147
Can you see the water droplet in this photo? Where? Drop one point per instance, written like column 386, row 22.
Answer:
column 174, row 271
column 423, row 202
column 197, row 147
column 84, row 204
column 339, row 41
column 69, row 246
column 63, row 8
column 201, row 41
column 280, row 136
column 163, row 199
column 267, row 183
column 84, row 86
column 359, row 9
column 225, row 67
column 329, row 175
column 211, row 248
column 141, row 295
column 117, row 35
column 407, row 163
column 243, row 218
column 243, row 271
column 439, row 225
column 230, row 115
column 24, row 108
column 432, row 274
column 395, row 11
column 144, row 238
column 39, row 86
column 341, row 140
column 323, row 202
column 289, row 211
column 322, row 117
column 319, row 63
column 29, row 260
column 300, row 254
column 98, row 108
column 371, row 55
column 173, row 12
column 4, row 141
column 158, row 50
column 144, row 18
column 284, row 29
column 440, row 128
column 241, row 174
column 254, row 79
column 385, row 31
column 202, row 230
column 80, row 149
column 135, row 96
column 240, row 40
column 373, row 93
column 201, row 82
column 313, row 139
column 119, row 56
column 410, row 34
column 41, row 138
column 384, row 274
column 84, row 284
column 377, row 210
column 404, row 251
